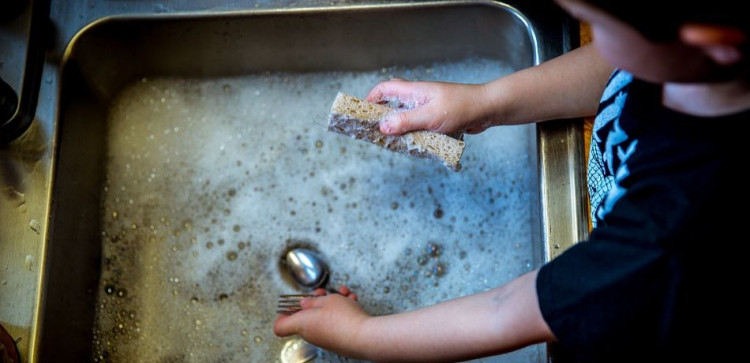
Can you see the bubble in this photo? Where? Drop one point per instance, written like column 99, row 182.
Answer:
column 29, row 262
column 231, row 255
column 433, row 249
column 438, row 270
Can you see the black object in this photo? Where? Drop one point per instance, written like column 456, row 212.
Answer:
column 17, row 110
column 8, row 349
column 9, row 9
column 8, row 101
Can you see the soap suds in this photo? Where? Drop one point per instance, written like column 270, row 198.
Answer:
column 210, row 181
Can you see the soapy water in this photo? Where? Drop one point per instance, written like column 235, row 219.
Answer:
column 210, row 181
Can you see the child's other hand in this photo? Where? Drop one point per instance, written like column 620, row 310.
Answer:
column 436, row 106
column 327, row 321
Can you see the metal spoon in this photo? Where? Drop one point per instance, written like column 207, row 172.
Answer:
column 298, row 351
column 307, row 268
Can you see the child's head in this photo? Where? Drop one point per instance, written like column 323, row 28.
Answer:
column 678, row 41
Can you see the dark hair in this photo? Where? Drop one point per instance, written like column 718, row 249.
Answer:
column 659, row 20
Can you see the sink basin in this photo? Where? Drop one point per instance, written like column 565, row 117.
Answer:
column 192, row 154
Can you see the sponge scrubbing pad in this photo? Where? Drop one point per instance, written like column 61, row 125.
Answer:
column 360, row 119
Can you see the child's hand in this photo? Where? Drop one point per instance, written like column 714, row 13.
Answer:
column 327, row 321
column 437, row 106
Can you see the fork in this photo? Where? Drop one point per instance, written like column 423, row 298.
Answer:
column 290, row 303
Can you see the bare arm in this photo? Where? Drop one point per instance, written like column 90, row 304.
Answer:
column 565, row 87
column 493, row 322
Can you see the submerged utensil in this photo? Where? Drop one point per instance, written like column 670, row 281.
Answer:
column 310, row 272
column 297, row 350
column 307, row 268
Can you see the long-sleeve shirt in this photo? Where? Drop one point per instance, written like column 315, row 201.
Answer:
column 660, row 277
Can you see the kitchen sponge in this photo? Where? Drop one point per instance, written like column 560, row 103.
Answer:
column 360, row 119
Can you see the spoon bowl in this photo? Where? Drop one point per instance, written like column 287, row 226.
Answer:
column 307, row 268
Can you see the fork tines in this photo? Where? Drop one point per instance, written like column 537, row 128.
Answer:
column 290, row 304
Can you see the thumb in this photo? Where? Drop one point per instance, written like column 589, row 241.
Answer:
column 400, row 122
column 285, row 325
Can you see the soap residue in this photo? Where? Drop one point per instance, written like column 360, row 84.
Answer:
column 209, row 181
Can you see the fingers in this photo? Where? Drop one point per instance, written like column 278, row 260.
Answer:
column 345, row 291
column 316, row 310
column 310, row 302
column 319, row 292
column 414, row 95
column 393, row 89
column 436, row 106
column 475, row 130
column 421, row 118
column 401, row 122
column 286, row 325
column 342, row 290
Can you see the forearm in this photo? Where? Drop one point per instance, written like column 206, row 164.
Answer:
column 493, row 322
column 568, row 86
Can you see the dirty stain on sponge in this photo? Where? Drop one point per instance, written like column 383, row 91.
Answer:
column 360, row 119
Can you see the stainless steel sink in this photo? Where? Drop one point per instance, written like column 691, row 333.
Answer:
column 191, row 153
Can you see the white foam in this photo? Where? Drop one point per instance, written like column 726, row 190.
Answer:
column 200, row 168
